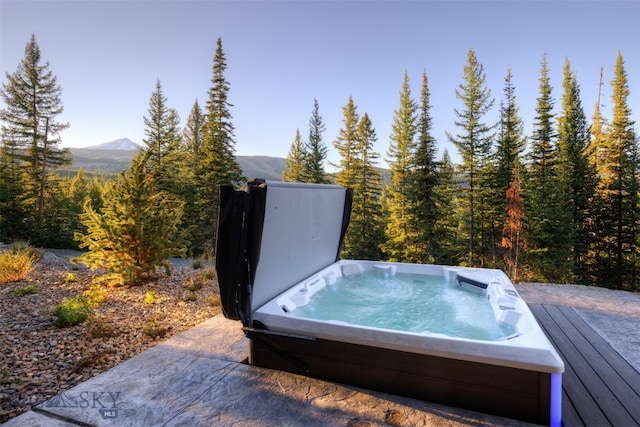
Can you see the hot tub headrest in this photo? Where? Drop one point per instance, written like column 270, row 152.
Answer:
column 473, row 282
column 272, row 235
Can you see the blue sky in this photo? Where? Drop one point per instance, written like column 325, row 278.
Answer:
column 107, row 56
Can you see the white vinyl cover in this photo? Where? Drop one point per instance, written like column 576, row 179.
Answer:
column 301, row 235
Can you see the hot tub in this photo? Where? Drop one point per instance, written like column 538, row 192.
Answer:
column 447, row 334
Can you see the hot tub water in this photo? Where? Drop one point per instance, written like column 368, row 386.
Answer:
column 406, row 302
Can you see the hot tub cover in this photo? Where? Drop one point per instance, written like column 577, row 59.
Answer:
column 271, row 235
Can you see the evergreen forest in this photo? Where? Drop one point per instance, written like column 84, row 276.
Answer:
column 558, row 205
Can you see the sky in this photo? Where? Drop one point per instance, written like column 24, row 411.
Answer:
column 281, row 55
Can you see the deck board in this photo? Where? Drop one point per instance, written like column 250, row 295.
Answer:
column 599, row 386
column 622, row 367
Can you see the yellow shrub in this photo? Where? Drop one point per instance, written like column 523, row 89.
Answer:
column 15, row 266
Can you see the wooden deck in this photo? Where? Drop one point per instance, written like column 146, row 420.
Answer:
column 600, row 388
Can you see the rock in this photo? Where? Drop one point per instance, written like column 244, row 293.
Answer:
column 357, row 422
column 395, row 418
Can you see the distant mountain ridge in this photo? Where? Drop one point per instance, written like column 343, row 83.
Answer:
column 124, row 144
column 114, row 156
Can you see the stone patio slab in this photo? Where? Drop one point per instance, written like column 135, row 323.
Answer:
column 216, row 338
column 149, row 389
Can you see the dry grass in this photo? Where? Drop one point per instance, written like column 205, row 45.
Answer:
column 15, row 265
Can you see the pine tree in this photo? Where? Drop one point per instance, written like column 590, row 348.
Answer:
column 30, row 130
column 366, row 230
column 14, row 207
column 576, row 176
column 511, row 141
column 297, row 161
column 399, row 193
column 346, row 144
column 315, row 149
column 599, row 141
column 474, row 145
column 513, row 238
column 81, row 189
column 156, row 129
column 175, row 160
column 448, row 247
column 69, row 200
column 617, row 192
column 510, row 144
column 193, row 136
column 191, row 152
column 163, row 140
column 545, row 220
column 599, row 211
column 59, row 215
column 135, row 231
column 218, row 165
column 425, row 180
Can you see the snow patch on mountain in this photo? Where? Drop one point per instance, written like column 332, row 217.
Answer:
column 117, row 144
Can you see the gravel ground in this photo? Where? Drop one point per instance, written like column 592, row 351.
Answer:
column 582, row 297
column 39, row 360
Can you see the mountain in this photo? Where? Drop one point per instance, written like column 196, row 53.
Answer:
column 114, row 156
column 269, row 168
column 101, row 160
column 124, row 144
column 105, row 158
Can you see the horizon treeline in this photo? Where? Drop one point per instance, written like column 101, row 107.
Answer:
column 559, row 205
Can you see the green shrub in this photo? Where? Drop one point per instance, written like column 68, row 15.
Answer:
column 209, row 273
column 95, row 295
column 196, row 264
column 150, row 297
column 155, row 328
column 5, row 377
column 20, row 246
column 92, row 359
column 70, row 278
column 194, row 283
column 72, row 311
column 15, row 266
column 190, row 296
column 213, row 300
column 26, row 290
column 113, row 280
column 99, row 328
